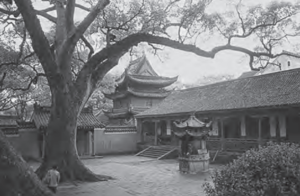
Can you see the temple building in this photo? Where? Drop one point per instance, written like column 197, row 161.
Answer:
column 138, row 89
column 245, row 112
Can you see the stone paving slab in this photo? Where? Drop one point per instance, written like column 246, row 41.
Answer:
column 138, row 176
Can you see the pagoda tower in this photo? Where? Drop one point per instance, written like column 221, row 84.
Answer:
column 138, row 89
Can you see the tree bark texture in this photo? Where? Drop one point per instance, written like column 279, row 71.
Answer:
column 16, row 177
column 60, row 140
column 67, row 98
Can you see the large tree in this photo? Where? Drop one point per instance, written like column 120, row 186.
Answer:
column 115, row 28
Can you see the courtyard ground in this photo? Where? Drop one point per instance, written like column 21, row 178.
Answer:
column 137, row 176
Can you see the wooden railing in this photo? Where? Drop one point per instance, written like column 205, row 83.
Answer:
column 234, row 144
column 237, row 144
column 214, row 144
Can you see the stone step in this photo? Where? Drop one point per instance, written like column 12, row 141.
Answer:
column 153, row 153
column 163, row 147
column 148, row 155
column 159, row 151
column 156, row 151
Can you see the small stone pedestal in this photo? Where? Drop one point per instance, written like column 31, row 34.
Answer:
column 194, row 157
column 193, row 164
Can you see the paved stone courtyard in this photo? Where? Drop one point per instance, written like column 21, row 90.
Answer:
column 137, row 176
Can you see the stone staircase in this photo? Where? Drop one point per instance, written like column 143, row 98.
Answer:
column 159, row 152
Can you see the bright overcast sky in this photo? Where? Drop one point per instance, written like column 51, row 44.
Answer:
column 187, row 66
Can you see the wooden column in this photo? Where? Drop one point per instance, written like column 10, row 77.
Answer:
column 243, row 127
column 215, row 127
column 222, row 134
column 155, row 135
column 272, row 121
column 93, row 143
column 159, row 131
column 90, row 142
column 259, row 131
column 282, row 126
column 168, row 127
column 203, row 144
column 180, row 148
column 139, row 127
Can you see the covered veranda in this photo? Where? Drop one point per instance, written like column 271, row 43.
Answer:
column 246, row 112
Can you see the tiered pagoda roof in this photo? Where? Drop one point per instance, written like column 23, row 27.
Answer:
column 192, row 127
column 123, row 112
column 140, row 80
column 145, row 80
column 156, row 93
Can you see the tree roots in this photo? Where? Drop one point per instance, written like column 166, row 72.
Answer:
column 74, row 171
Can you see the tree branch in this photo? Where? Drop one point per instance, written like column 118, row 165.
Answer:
column 122, row 26
column 49, row 9
column 70, row 8
column 87, row 43
column 22, row 46
column 121, row 47
column 10, row 12
column 61, row 29
column 32, row 81
column 45, row 15
column 240, row 17
column 82, row 7
column 263, row 25
column 39, row 41
column 75, row 35
column 2, row 81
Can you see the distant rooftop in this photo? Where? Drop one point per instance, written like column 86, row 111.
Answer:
column 86, row 119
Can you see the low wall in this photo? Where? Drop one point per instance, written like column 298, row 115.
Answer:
column 26, row 143
column 115, row 140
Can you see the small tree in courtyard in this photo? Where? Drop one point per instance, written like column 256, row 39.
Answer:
column 272, row 170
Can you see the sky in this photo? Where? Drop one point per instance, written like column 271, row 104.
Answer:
column 190, row 67
column 187, row 66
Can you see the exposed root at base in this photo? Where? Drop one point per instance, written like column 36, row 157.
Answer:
column 74, row 172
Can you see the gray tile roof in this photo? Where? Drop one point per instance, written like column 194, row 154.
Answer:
column 86, row 119
column 270, row 90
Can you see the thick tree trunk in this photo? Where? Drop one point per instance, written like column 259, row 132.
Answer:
column 16, row 177
column 60, row 146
